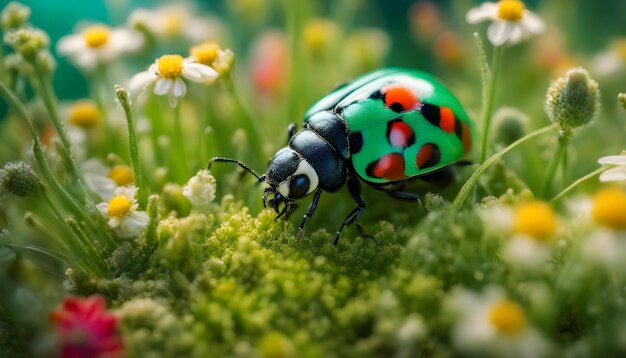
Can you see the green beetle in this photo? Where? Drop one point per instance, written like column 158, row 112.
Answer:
column 382, row 128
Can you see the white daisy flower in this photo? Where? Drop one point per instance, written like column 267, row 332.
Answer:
column 611, row 61
column 166, row 73
column 175, row 21
column 98, row 44
column 200, row 189
column 526, row 252
column 491, row 324
column 618, row 173
column 511, row 21
column 122, row 214
column 104, row 180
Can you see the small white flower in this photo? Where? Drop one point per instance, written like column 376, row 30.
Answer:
column 175, row 21
column 511, row 21
column 200, row 189
column 526, row 252
column 98, row 44
column 614, row 174
column 490, row 324
column 104, row 180
column 611, row 61
column 498, row 219
column 166, row 74
column 122, row 214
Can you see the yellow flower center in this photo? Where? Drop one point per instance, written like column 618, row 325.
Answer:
column 205, row 53
column 619, row 48
column 510, row 10
column 170, row 66
column 84, row 114
column 536, row 219
column 121, row 175
column 507, row 317
column 173, row 24
column 318, row 34
column 96, row 36
column 119, row 206
column 609, row 208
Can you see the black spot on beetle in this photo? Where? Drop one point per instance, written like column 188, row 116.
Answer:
column 356, row 142
column 431, row 113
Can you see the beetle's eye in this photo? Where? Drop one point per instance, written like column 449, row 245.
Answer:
column 299, row 186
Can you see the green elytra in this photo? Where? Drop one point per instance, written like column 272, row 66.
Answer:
column 389, row 142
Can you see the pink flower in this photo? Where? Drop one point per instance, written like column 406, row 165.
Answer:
column 86, row 329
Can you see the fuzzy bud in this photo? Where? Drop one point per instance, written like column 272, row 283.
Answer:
column 20, row 179
column 28, row 42
column 200, row 189
column 223, row 64
column 510, row 124
column 14, row 15
column 46, row 62
column 622, row 99
column 573, row 100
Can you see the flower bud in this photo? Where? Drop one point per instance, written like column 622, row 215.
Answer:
column 510, row 124
column 223, row 64
column 45, row 62
column 28, row 41
column 622, row 99
column 19, row 178
column 573, row 100
column 14, row 15
column 200, row 189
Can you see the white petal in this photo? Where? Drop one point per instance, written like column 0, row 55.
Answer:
column 614, row 174
column 71, row 44
column 103, row 208
column 128, row 191
column 163, row 86
column 486, row 11
column 532, row 23
column 207, row 74
column 86, row 59
column 123, row 40
column 180, row 89
column 101, row 185
column 516, row 36
column 153, row 68
column 132, row 224
column 140, row 81
column 499, row 32
column 613, row 159
column 173, row 100
column 114, row 222
column 94, row 166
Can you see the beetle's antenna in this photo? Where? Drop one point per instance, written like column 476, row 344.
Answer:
column 243, row 166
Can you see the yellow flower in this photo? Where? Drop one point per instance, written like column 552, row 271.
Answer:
column 511, row 21
column 122, row 214
column 609, row 208
column 119, row 206
column 535, row 219
column 205, row 53
column 98, row 44
column 84, row 114
column 121, row 174
column 507, row 317
column 319, row 34
column 167, row 73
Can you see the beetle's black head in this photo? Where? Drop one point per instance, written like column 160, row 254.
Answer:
column 289, row 177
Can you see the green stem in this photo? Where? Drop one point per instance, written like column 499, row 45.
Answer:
column 42, row 163
column 122, row 95
column 496, row 62
column 179, row 144
column 100, row 83
column 578, row 182
column 564, row 162
column 250, row 126
column 205, row 144
column 469, row 184
column 554, row 163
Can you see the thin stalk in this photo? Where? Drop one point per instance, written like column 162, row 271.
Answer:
column 44, row 167
column 250, row 126
column 469, row 184
column 205, row 144
column 554, row 163
column 179, row 145
column 578, row 182
column 142, row 197
column 496, row 63
column 565, row 162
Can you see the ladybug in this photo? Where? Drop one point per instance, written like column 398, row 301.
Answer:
column 381, row 129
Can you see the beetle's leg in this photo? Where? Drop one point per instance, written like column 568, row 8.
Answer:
column 309, row 212
column 355, row 190
column 365, row 234
column 400, row 195
column 291, row 130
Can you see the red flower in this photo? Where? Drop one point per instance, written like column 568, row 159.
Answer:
column 86, row 329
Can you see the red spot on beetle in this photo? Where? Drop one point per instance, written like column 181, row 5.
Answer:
column 446, row 119
column 390, row 167
column 399, row 134
column 423, row 155
column 400, row 98
column 466, row 138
